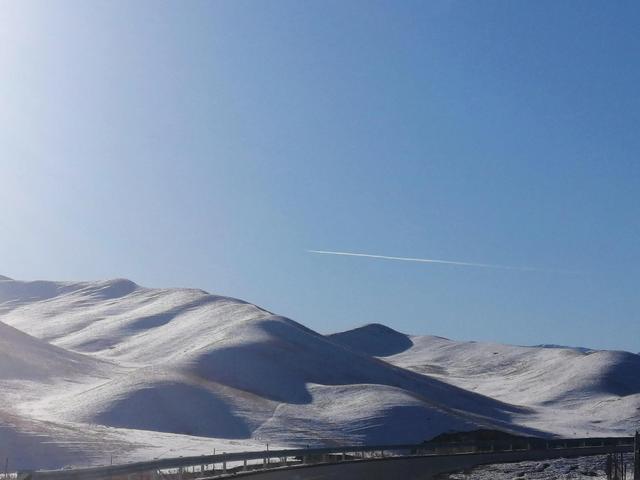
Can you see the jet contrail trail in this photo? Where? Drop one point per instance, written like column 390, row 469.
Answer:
column 432, row 260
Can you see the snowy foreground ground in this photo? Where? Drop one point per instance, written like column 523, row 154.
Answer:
column 582, row 468
column 91, row 371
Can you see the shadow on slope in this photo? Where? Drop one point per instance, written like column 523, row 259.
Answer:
column 23, row 357
column 374, row 339
column 142, row 325
column 174, row 408
column 15, row 293
column 18, row 292
column 602, row 373
column 623, row 378
column 361, row 414
column 31, row 444
column 110, row 289
column 289, row 357
column 163, row 318
column 532, row 376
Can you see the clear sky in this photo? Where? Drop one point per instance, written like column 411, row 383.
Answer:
column 211, row 143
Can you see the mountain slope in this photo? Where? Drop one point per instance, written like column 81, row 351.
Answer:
column 596, row 388
column 184, row 366
column 23, row 357
column 205, row 344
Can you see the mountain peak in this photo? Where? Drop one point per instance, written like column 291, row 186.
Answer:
column 378, row 328
column 374, row 339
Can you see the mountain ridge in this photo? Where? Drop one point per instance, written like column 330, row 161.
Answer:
column 187, row 365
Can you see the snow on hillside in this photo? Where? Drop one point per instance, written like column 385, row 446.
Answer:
column 570, row 391
column 96, row 368
column 187, row 363
column 581, row 468
column 23, row 357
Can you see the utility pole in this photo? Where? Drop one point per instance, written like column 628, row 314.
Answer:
column 636, row 457
column 615, row 467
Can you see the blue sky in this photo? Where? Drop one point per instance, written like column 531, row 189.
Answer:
column 210, row 144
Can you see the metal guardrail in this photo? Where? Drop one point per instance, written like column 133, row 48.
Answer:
column 183, row 462
column 323, row 455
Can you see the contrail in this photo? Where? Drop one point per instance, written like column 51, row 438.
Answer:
column 432, row 260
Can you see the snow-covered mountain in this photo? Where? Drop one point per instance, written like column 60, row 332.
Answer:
column 569, row 391
column 94, row 369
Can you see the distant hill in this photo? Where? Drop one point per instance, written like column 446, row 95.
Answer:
column 571, row 390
